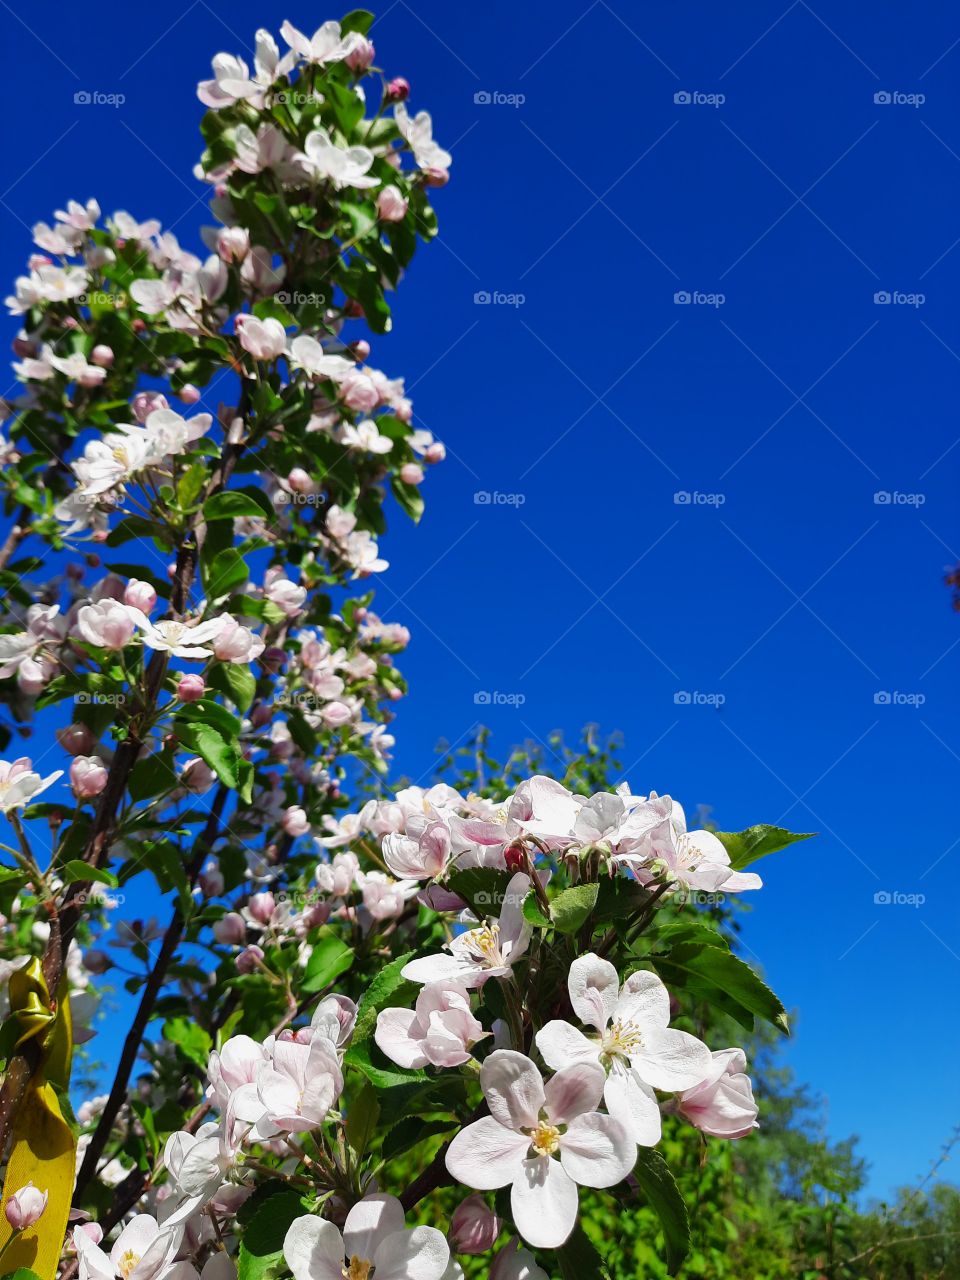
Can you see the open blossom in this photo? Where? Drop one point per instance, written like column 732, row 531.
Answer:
column 722, row 1105
column 418, row 132
column 425, row 858
column 236, row 643
column 264, row 339
column 107, row 624
column 375, row 1241
column 327, row 44
column 286, row 595
column 19, row 784
column 337, row 877
column 232, row 82
column 487, row 951
column 143, row 1251
column 25, row 1207
column 634, row 1043
column 299, row 1084
column 689, row 859
column 311, row 357
column 542, row 1141
column 440, row 1031
column 383, row 896
column 182, row 639
column 343, row 166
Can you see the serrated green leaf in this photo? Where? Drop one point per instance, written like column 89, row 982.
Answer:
column 569, row 910
column 757, row 842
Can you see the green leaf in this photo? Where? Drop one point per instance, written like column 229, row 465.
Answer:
column 77, row 871
column 388, row 987
column 410, row 1132
column 532, row 913
column 21, row 1273
column 409, row 497
column 190, row 1038
column 329, row 958
column 234, row 680
column 756, row 842
column 570, row 909
column 579, row 1260
column 482, row 888
column 223, row 757
column 706, row 969
column 664, row 1197
column 357, row 20
column 152, row 776
column 233, row 503
column 225, row 571
column 362, row 1116
column 261, row 1248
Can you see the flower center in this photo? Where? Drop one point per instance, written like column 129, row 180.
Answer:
column 545, row 1139
column 484, row 944
column 621, row 1039
column 128, row 1263
column 359, row 1269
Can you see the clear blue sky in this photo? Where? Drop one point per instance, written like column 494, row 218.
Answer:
column 597, row 398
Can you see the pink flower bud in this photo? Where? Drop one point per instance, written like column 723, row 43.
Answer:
column 25, row 1207
column 77, row 739
column 191, row 688
column 391, row 205
column 360, row 349
column 435, row 177
column 398, row 90
column 211, row 880
column 515, row 857
column 435, row 452
column 361, row 55
column 233, row 244
column 394, row 694
column 88, row 776
column 353, row 309
column 474, row 1226
column 140, row 595
column 95, row 961
column 248, row 961
column 261, row 907
column 102, row 355
column 144, row 403
column 295, row 821
column 231, row 929
column 189, row 394
column 411, row 473
column 300, row 481
column 316, row 915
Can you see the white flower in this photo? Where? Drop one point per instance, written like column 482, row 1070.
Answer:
column 344, row 167
column 634, row 1043
column 418, row 132
column 182, row 639
column 488, row 951
column 310, row 356
column 108, row 463
column 325, row 45
column 375, row 1239
column 544, row 1140
column 365, row 435
column 19, row 784
column 143, row 1251
column 690, row 859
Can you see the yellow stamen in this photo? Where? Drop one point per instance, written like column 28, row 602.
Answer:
column 545, row 1139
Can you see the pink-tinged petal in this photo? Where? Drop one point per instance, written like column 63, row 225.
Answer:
column 420, row 1254
column 396, row 1036
column 672, row 1060
column 740, row 881
column 596, row 1151
column 513, row 927
column 561, row 1045
column 644, row 1000
column 369, row 1223
column 544, row 1201
column 434, row 969
column 485, row 1155
column 313, row 1249
column 594, row 985
column 514, row 1263
column 574, row 1091
column 136, row 1237
column 634, row 1104
column 513, row 1088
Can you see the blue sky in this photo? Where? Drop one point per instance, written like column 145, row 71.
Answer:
column 783, row 198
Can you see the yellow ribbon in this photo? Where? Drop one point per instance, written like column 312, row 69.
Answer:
column 44, row 1148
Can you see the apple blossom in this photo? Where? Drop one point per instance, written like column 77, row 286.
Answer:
column 295, row 821
column 88, row 776
column 191, row 688
column 722, row 1104
column 230, row 929
column 514, row 1263
column 418, row 133
column 264, row 339
column 440, row 1031
column 343, row 167
column 25, row 1207
column 474, row 1226
column 141, row 595
column 180, row 639
column 634, row 1043
column 690, row 859
column 19, row 784
column 391, row 205
column 375, row 1240
column 529, row 1126
column 236, row 643
column 143, row 1251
